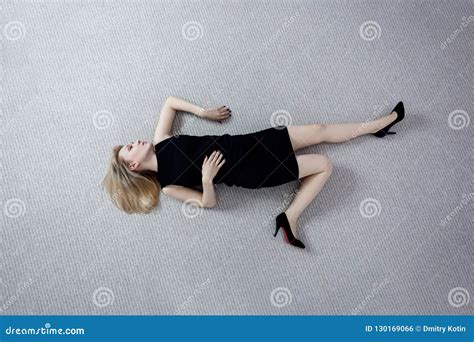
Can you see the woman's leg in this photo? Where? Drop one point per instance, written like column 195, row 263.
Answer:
column 314, row 169
column 306, row 135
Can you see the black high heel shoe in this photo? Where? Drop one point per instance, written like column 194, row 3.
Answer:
column 400, row 115
column 282, row 222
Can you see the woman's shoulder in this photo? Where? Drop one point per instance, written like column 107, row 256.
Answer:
column 160, row 139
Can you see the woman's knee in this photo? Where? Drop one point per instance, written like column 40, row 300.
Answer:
column 310, row 164
column 328, row 164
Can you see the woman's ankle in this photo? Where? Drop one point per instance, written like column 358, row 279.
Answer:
column 291, row 217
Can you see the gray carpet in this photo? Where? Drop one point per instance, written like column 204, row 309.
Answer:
column 390, row 233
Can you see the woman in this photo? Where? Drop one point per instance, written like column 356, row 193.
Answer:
column 255, row 160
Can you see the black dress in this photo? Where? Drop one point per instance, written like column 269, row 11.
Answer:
column 254, row 160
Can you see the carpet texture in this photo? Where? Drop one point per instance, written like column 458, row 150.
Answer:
column 390, row 233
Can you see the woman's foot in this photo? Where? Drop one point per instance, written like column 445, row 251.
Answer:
column 393, row 116
column 385, row 121
column 282, row 222
column 293, row 223
column 399, row 113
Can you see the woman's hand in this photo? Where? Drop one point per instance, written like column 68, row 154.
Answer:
column 217, row 114
column 211, row 166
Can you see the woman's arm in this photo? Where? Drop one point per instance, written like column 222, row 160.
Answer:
column 168, row 114
column 182, row 105
column 210, row 167
column 205, row 199
column 217, row 113
column 208, row 193
column 173, row 104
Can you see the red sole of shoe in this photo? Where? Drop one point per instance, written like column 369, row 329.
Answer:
column 286, row 236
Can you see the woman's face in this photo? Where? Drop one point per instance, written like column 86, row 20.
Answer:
column 136, row 153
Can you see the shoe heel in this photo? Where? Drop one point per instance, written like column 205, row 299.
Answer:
column 282, row 222
column 400, row 110
column 276, row 230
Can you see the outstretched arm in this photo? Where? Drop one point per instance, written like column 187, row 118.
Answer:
column 217, row 113
column 168, row 114
column 174, row 104
column 177, row 103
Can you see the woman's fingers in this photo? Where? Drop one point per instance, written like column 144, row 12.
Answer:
column 211, row 157
column 224, row 110
column 216, row 156
column 214, row 162
column 218, row 159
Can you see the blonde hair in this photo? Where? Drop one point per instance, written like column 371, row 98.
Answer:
column 130, row 191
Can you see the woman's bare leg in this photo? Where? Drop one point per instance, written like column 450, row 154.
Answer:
column 306, row 135
column 315, row 170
